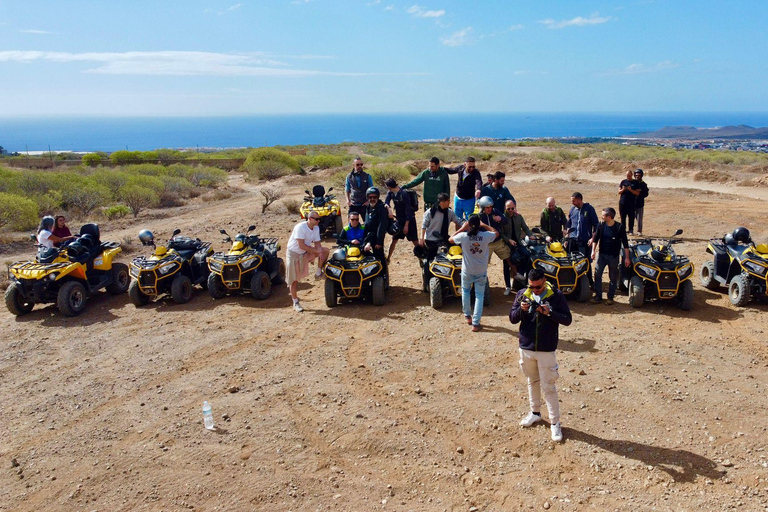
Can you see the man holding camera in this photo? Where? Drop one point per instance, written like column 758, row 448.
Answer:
column 540, row 309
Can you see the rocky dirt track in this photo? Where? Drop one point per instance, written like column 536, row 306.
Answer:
column 399, row 407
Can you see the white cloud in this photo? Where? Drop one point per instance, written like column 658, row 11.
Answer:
column 636, row 69
column 389, row 8
column 33, row 31
column 175, row 63
column 519, row 26
column 578, row 21
column 421, row 12
column 459, row 38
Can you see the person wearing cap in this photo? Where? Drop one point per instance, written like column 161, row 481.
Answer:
column 406, row 217
column 501, row 244
column 436, row 181
column 468, row 188
column 357, row 182
column 640, row 200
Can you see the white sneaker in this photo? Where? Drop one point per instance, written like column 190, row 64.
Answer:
column 530, row 419
column 507, row 290
column 297, row 307
column 318, row 273
column 557, row 432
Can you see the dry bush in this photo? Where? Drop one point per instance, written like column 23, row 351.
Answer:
column 292, row 206
column 196, row 192
column 216, row 195
column 170, row 199
column 127, row 244
column 271, row 194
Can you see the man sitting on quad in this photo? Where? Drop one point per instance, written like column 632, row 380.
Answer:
column 434, row 227
column 376, row 223
column 354, row 232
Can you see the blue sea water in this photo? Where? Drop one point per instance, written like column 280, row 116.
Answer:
column 146, row 133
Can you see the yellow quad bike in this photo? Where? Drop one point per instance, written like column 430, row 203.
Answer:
column 251, row 265
column 327, row 206
column 442, row 277
column 738, row 264
column 68, row 275
column 173, row 268
column 657, row 272
column 353, row 274
column 566, row 269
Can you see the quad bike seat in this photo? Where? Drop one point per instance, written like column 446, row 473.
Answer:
column 45, row 255
column 184, row 243
column 93, row 230
column 736, row 250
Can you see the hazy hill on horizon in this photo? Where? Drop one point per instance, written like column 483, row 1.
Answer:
column 741, row 131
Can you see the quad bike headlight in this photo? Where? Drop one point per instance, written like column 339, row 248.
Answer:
column 166, row 269
column 370, row 268
column 685, row 271
column 755, row 268
column 580, row 266
column 215, row 265
column 441, row 269
column 52, row 276
column 334, row 271
column 647, row 271
column 548, row 267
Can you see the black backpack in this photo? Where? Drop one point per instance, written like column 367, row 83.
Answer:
column 414, row 198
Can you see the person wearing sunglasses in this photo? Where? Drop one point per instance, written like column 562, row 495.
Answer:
column 354, row 232
column 357, row 182
column 468, row 187
column 303, row 248
column 540, row 309
column 514, row 232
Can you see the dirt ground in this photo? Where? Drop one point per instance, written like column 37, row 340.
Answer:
column 398, row 407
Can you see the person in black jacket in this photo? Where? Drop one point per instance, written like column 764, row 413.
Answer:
column 405, row 214
column 468, row 188
column 640, row 200
column 540, row 309
column 610, row 236
column 628, row 192
column 376, row 223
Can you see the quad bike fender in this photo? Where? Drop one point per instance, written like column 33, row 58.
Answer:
column 104, row 260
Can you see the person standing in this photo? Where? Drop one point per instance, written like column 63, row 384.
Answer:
column 304, row 247
column 498, row 192
column 553, row 221
column 474, row 267
column 628, row 192
column 500, row 246
column 540, row 309
column 436, row 181
column 376, row 223
column 406, row 217
column 582, row 220
column 640, row 200
column 468, row 188
column 357, row 182
column 610, row 237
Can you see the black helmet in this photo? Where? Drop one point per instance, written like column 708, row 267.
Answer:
column 638, row 171
column 372, row 191
column 729, row 240
column 741, row 234
column 339, row 254
column 659, row 253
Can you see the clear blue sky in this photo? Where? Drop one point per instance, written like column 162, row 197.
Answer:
column 283, row 56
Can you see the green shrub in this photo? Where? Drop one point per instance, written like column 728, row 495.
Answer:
column 92, row 159
column 138, row 197
column 48, row 204
column 83, row 195
column 124, row 157
column 206, row 176
column 326, row 161
column 381, row 172
column 17, row 212
column 117, row 211
column 266, row 170
column 272, row 155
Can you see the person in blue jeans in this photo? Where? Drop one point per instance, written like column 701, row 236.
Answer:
column 468, row 188
column 474, row 265
column 610, row 237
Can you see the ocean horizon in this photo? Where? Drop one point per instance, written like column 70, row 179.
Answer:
column 81, row 134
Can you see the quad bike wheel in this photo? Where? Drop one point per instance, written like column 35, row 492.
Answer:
column 330, row 293
column 378, row 291
column 216, row 288
column 181, row 289
column 435, row 293
column 121, row 279
column 636, row 292
column 138, row 297
column 685, row 295
column 71, row 298
column 738, row 291
column 583, row 289
column 15, row 303
column 261, row 285
column 425, row 277
column 279, row 265
column 707, row 276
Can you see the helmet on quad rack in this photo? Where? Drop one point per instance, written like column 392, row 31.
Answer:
column 339, row 254
column 372, row 191
column 741, row 234
column 146, row 237
column 485, row 201
column 659, row 253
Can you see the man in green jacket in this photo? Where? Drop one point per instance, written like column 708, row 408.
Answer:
column 435, row 179
column 553, row 221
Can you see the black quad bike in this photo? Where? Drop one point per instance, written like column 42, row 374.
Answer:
column 173, row 268
column 656, row 272
column 251, row 265
column 738, row 264
column 441, row 276
column 67, row 275
column 563, row 265
column 353, row 274
column 326, row 206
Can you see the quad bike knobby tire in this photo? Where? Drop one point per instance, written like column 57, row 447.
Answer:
column 181, row 289
column 435, row 293
column 71, row 298
column 121, row 279
column 738, row 291
column 330, row 293
column 216, row 288
column 636, row 292
column 425, row 277
column 377, row 291
column 583, row 289
column 279, row 265
column 15, row 303
column 707, row 276
column 261, row 285
column 138, row 297
column 685, row 296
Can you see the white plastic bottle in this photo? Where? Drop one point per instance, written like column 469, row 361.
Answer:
column 207, row 416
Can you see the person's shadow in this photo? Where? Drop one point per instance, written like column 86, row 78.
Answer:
column 681, row 465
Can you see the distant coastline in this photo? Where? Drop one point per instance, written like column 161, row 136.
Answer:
column 141, row 133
